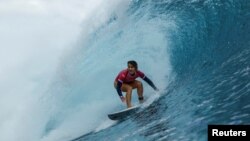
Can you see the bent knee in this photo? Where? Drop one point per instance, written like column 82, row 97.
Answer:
column 138, row 84
column 129, row 89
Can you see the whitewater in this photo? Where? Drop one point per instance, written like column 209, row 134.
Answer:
column 58, row 61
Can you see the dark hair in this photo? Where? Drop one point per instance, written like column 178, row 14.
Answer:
column 133, row 63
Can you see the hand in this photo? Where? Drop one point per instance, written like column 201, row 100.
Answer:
column 123, row 99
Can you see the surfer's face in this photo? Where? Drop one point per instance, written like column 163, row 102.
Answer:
column 131, row 69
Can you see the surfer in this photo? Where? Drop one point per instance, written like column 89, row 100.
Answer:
column 126, row 82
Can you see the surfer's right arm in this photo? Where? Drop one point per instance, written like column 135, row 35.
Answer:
column 119, row 91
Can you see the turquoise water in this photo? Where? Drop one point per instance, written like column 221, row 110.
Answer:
column 59, row 61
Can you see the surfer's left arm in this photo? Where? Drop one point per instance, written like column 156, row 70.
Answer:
column 145, row 78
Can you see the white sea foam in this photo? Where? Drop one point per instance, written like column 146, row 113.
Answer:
column 34, row 36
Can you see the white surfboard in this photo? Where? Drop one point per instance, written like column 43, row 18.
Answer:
column 123, row 113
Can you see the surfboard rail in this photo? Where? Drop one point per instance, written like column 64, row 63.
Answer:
column 119, row 115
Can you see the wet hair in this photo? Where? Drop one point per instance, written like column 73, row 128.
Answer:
column 133, row 63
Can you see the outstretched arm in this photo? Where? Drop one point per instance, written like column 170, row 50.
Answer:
column 150, row 83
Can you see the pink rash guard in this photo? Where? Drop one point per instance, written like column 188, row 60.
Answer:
column 125, row 77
